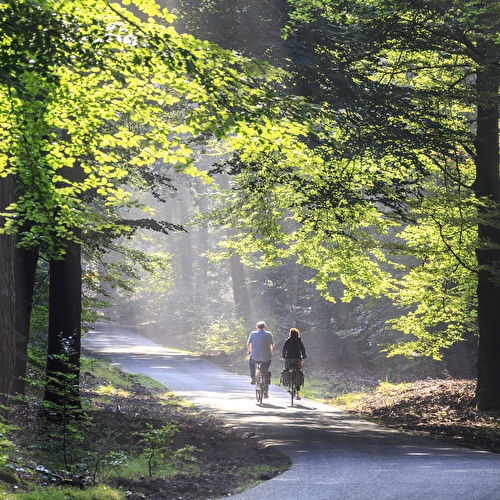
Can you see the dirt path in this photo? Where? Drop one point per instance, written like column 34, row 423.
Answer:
column 333, row 456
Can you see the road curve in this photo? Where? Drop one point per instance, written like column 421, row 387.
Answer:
column 334, row 456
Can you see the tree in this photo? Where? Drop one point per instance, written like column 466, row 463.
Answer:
column 87, row 85
column 449, row 55
column 408, row 92
column 7, row 299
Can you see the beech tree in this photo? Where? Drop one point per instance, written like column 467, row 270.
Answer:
column 406, row 131
column 441, row 61
column 91, row 97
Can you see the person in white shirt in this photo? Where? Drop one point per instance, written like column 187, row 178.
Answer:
column 260, row 346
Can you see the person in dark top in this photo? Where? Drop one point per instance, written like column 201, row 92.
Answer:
column 293, row 352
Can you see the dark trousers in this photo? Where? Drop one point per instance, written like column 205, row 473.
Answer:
column 264, row 366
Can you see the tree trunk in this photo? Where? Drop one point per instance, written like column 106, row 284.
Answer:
column 64, row 343
column 7, row 298
column 186, row 241
column 487, row 185
column 240, row 290
column 25, row 263
column 202, row 247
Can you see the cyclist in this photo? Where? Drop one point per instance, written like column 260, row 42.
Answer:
column 260, row 346
column 293, row 352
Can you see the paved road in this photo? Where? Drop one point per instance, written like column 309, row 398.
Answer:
column 334, row 456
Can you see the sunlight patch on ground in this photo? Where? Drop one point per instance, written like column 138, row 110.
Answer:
column 110, row 390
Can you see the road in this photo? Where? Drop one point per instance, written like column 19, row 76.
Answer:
column 334, row 456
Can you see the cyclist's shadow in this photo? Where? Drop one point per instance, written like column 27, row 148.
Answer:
column 301, row 407
column 266, row 404
column 273, row 406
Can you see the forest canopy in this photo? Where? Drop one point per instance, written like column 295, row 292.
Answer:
column 396, row 194
column 364, row 158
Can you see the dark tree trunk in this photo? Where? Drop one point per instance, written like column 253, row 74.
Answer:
column 25, row 262
column 7, row 298
column 64, row 342
column 487, row 185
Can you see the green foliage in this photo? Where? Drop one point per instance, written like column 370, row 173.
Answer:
column 220, row 335
column 113, row 463
column 100, row 492
column 69, row 424
column 95, row 99
column 438, row 291
column 382, row 199
column 157, row 449
column 6, row 444
column 78, row 446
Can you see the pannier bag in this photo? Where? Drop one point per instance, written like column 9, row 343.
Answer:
column 285, row 378
column 299, row 378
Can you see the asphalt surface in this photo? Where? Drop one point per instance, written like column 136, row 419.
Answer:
column 333, row 455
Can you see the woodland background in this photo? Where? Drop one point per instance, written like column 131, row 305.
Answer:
column 327, row 165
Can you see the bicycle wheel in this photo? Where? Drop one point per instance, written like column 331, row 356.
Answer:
column 293, row 389
column 259, row 387
column 258, row 394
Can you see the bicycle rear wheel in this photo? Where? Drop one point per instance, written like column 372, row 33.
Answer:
column 293, row 389
column 259, row 387
column 259, row 394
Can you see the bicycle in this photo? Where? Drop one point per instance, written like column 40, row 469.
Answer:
column 295, row 380
column 261, row 386
column 292, row 384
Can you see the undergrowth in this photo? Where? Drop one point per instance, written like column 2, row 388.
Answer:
column 130, row 439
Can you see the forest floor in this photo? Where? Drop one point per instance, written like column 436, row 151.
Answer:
column 439, row 409
column 227, row 461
